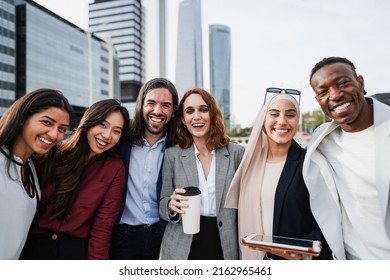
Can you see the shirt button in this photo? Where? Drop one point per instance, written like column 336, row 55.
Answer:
column 220, row 224
column 54, row 236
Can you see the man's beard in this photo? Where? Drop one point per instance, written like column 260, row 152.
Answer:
column 153, row 131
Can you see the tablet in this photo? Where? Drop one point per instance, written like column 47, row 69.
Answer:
column 267, row 243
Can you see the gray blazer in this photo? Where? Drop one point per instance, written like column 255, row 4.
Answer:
column 179, row 171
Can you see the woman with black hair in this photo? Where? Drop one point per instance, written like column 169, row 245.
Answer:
column 82, row 189
column 32, row 125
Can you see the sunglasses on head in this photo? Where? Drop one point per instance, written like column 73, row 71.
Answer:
column 275, row 90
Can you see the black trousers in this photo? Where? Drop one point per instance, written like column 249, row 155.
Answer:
column 206, row 245
column 140, row 242
column 55, row 246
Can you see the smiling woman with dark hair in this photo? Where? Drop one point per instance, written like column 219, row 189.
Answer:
column 32, row 125
column 82, row 189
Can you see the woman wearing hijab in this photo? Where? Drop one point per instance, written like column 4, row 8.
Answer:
column 268, row 188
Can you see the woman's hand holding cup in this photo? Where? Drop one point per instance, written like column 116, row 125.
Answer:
column 176, row 202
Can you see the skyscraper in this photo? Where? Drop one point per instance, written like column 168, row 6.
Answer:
column 54, row 53
column 155, row 38
column 220, row 57
column 122, row 20
column 189, row 59
column 7, row 54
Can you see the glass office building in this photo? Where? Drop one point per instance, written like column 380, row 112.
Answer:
column 123, row 21
column 220, row 56
column 7, row 54
column 54, row 53
column 189, row 56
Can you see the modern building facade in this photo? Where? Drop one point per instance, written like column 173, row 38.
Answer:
column 54, row 53
column 189, row 59
column 220, row 57
column 155, row 39
column 162, row 38
column 114, row 82
column 123, row 21
column 7, row 54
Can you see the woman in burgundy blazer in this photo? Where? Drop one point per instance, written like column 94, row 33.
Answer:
column 82, row 189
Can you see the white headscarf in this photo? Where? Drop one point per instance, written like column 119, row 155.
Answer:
column 245, row 188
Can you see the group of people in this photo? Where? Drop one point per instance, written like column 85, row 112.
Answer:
column 114, row 189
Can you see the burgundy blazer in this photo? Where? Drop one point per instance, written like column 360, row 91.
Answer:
column 95, row 209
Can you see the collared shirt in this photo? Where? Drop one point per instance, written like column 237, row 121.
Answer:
column 207, row 187
column 141, row 196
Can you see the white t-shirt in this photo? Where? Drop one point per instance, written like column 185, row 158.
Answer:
column 17, row 209
column 352, row 157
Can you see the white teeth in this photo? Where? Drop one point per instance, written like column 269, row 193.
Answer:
column 197, row 125
column 101, row 142
column 281, row 130
column 341, row 107
column 45, row 141
column 156, row 120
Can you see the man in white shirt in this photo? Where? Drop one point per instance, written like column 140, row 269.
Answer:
column 347, row 169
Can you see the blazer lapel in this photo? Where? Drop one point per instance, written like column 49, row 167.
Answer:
column 221, row 169
column 189, row 165
column 288, row 172
column 382, row 152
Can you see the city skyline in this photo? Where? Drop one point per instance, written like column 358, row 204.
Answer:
column 276, row 43
column 122, row 22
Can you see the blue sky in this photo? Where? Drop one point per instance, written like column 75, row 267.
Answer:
column 277, row 42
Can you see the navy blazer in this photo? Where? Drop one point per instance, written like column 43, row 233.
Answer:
column 292, row 213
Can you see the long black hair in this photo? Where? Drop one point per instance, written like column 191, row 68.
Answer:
column 72, row 157
column 11, row 123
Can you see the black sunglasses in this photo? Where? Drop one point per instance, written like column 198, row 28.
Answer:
column 283, row 90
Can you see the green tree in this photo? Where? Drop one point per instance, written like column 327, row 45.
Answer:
column 242, row 132
column 311, row 120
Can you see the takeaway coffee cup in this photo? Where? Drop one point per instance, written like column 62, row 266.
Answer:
column 191, row 219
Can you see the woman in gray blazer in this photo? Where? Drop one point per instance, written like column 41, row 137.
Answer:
column 206, row 159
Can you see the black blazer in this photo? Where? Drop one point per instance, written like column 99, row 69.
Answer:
column 292, row 214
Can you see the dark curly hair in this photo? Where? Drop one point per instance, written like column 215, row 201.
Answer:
column 331, row 60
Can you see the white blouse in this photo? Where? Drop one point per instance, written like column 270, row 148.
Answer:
column 16, row 207
column 207, row 187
